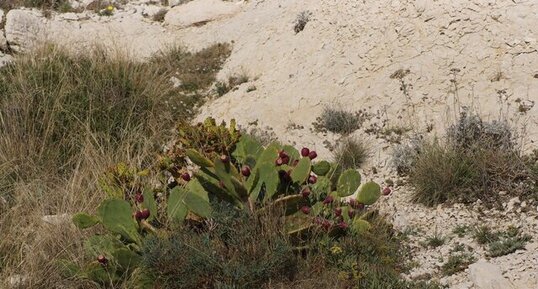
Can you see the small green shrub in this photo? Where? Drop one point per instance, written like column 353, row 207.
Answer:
column 221, row 88
column 435, row 241
column 457, row 263
column 460, row 230
column 501, row 243
column 484, row 235
column 338, row 120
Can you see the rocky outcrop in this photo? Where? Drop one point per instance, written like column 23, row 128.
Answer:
column 485, row 275
column 23, row 28
column 199, row 12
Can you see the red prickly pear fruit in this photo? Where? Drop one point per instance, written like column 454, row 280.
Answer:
column 245, row 171
column 387, row 191
column 221, row 184
column 312, row 179
column 360, row 206
column 305, row 210
column 351, row 213
column 312, row 155
column 306, row 192
column 186, row 177
column 328, row 200
column 225, row 158
column 279, row 161
column 338, row 212
column 295, row 162
column 317, row 221
column 145, row 214
column 102, row 260
column 356, row 204
column 138, row 215
column 283, row 154
column 285, row 160
column 343, row 225
column 139, row 198
column 305, row 152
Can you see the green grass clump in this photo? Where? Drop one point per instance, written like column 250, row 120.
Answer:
column 501, row 243
column 351, row 153
column 476, row 160
column 457, row 263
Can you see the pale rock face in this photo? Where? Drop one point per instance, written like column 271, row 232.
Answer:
column 486, row 275
column 23, row 28
column 200, row 11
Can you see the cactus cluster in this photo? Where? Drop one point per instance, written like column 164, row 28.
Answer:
column 239, row 171
column 254, row 177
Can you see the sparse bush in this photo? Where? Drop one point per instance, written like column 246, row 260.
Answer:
column 301, row 20
column 405, row 155
column 196, row 71
column 477, row 160
column 470, row 132
column 501, row 243
column 338, row 120
column 221, row 88
column 457, row 262
column 233, row 250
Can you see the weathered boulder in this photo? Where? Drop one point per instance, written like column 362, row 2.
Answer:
column 200, row 12
column 23, row 28
column 485, row 275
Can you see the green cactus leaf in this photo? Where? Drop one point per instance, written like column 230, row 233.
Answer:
column 175, row 207
column 292, row 152
column 116, row 216
column 252, row 182
column 291, row 203
column 97, row 273
column 83, row 221
column 198, row 159
column 301, row 172
column 197, row 200
column 369, row 193
column 102, row 245
column 223, row 170
column 210, row 182
column 270, row 154
column 247, row 147
column 126, row 258
column 360, row 226
column 322, row 187
column 348, row 183
column 268, row 177
column 150, row 203
column 321, row 168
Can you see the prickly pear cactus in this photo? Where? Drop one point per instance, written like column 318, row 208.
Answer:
column 207, row 138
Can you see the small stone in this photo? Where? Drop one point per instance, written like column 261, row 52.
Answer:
column 56, row 219
column 17, row 281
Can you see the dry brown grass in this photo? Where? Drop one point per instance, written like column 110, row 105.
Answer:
column 63, row 121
